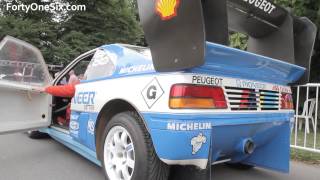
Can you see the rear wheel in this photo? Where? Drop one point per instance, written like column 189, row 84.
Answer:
column 128, row 152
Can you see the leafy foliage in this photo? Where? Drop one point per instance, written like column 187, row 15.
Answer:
column 239, row 41
column 61, row 36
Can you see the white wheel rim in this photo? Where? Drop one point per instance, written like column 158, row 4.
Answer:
column 119, row 157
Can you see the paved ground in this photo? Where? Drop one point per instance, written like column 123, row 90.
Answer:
column 25, row 159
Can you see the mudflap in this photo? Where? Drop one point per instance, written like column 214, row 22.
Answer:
column 192, row 172
column 274, row 155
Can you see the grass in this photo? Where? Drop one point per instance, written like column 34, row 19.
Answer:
column 310, row 139
column 302, row 155
column 305, row 156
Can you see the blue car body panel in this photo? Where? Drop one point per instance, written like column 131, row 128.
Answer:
column 69, row 141
column 84, row 131
column 231, row 62
column 269, row 132
column 224, row 132
column 220, row 60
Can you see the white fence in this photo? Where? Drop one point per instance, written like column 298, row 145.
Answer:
column 305, row 135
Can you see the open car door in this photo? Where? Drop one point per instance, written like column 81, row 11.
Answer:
column 23, row 76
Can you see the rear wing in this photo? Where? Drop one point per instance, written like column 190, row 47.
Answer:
column 177, row 31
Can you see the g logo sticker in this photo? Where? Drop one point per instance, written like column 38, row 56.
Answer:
column 152, row 92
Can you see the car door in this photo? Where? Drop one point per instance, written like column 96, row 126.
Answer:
column 23, row 77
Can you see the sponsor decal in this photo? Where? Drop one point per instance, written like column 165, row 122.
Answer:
column 74, row 116
column 188, row 126
column 152, row 92
column 285, row 90
column 88, row 108
column 263, row 5
column 137, row 68
column 249, row 84
column 207, row 80
column 167, row 9
column 91, row 125
column 74, row 125
column 86, row 98
column 276, row 88
column 282, row 89
column 197, row 143
column 74, row 128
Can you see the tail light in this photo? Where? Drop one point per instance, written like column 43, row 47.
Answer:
column 286, row 101
column 187, row 96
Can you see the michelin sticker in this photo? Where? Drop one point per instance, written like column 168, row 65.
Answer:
column 152, row 92
column 188, row 126
column 136, row 68
column 197, row 143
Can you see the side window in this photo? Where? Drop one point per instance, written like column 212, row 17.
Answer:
column 21, row 63
column 77, row 72
column 100, row 66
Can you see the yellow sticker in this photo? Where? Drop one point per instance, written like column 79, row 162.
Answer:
column 167, row 9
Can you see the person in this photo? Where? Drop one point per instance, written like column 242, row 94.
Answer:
column 64, row 79
column 73, row 79
column 65, row 91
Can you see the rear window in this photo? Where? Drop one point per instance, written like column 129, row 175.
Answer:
column 141, row 50
column 101, row 65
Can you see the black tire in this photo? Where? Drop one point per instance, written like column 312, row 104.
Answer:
column 37, row 135
column 240, row 166
column 147, row 164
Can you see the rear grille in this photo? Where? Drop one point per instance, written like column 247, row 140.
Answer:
column 242, row 99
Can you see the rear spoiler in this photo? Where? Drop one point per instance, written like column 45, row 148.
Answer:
column 177, row 31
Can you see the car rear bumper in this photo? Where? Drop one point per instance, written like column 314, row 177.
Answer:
column 188, row 139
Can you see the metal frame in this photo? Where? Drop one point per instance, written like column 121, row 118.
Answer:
column 316, row 146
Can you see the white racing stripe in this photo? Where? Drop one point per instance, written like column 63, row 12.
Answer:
column 135, row 90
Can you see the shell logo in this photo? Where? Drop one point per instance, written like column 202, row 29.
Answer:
column 167, row 9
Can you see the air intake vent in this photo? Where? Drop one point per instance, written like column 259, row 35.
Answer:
column 242, row 99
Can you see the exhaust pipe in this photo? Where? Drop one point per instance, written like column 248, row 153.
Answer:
column 248, row 147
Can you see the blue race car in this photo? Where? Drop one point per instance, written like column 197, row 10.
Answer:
column 189, row 100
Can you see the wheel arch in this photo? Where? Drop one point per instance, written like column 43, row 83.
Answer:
column 109, row 110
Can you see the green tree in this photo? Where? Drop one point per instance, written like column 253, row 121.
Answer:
column 37, row 28
column 104, row 22
column 61, row 36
